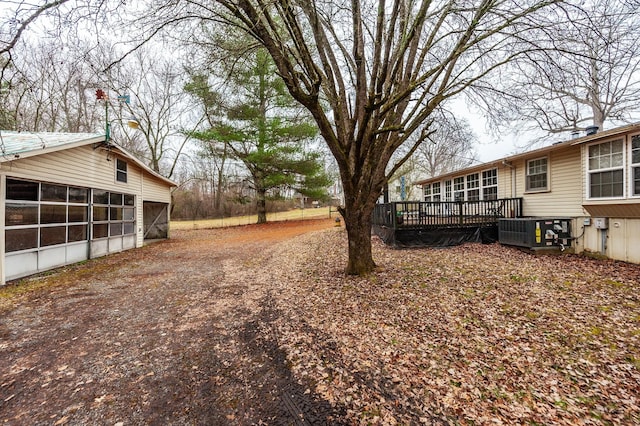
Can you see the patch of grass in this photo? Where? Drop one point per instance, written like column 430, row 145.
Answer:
column 595, row 331
column 532, row 315
column 468, row 293
column 561, row 404
column 614, row 283
column 296, row 214
column 633, row 361
column 585, row 400
column 10, row 292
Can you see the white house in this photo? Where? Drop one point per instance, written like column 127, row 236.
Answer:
column 68, row 197
column 593, row 180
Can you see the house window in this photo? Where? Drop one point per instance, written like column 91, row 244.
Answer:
column 435, row 189
column 447, row 190
column 121, row 170
column 635, row 164
column 537, row 174
column 431, row 191
column 606, row 169
column 473, row 187
column 22, row 190
column 490, row 184
column 427, row 192
column 458, row 188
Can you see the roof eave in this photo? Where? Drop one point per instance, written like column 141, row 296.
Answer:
column 540, row 151
column 47, row 150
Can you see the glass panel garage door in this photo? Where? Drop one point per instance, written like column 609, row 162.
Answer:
column 113, row 223
column 46, row 225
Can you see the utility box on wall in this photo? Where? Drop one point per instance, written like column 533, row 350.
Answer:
column 601, row 222
column 535, row 232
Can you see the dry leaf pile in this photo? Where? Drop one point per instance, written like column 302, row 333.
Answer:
column 475, row 334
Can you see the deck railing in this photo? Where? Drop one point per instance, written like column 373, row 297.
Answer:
column 425, row 214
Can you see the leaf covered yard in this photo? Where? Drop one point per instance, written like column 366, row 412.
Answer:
column 260, row 325
column 477, row 334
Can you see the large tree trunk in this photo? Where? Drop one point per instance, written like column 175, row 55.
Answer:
column 262, row 205
column 357, row 221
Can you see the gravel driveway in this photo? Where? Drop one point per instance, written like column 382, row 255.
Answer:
column 179, row 332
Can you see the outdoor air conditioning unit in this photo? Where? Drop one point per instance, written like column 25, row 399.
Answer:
column 535, row 232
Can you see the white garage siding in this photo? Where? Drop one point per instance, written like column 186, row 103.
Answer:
column 83, row 166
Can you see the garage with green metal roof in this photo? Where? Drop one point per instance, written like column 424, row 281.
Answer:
column 69, row 197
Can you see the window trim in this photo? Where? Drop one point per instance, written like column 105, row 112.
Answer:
column 484, row 187
column 631, row 166
column 121, row 172
column 527, row 187
column 625, row 168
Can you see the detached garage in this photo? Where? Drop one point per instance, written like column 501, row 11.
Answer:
column 68, row 197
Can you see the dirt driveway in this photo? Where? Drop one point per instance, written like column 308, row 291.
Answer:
column 179, row 332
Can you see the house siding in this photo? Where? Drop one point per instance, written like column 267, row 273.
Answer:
column 505, row 179
column 82, row 166
column 564, row 194
column 154, row 190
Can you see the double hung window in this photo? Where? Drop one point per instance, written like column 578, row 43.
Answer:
column 473, row 187
column 435, row 189
column 447, row 190
column 635, row 165
column 426, row 192
column 458, row 189
column 606, row 169
column 490, row 184
column 537, row 178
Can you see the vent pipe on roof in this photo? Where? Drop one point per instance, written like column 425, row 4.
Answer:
column 591, row 130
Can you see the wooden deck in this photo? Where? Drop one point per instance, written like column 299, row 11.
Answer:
column 441, row 223
column 419, row 214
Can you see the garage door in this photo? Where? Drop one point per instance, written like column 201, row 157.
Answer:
column 46, row 225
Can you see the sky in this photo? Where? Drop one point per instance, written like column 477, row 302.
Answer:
column 490, row 147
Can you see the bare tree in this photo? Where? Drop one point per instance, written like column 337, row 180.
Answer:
column 591, row 77
column 48, row 87
column 372, row 73
column 153, row 83
column 449, row 146
column 18, row 16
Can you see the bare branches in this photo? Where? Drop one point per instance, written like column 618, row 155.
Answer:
column 19, row 24
column 586, row 76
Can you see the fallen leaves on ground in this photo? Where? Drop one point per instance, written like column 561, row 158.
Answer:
column 259, row 325
column 474, row 334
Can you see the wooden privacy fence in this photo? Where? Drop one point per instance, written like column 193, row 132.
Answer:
column 433, row 214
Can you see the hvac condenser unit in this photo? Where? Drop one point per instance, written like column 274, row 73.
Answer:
column 535, row 232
